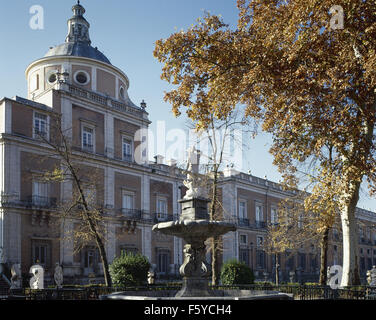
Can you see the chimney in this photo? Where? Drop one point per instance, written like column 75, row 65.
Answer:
column 171, row 162
column 159, row 159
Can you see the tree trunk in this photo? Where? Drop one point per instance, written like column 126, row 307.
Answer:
column 350, row 270
column 93, row 228
column 324, row 257
column 103, row 255
column 214, row 242
column 276, row 269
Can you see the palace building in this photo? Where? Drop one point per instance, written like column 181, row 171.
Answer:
column 78, row 82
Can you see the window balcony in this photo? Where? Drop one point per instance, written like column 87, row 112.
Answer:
column 40, row 134
column 127, row 158
column 134, row 214
column 259, row 224
column 41, row 202
column 163, row 217
column 88, row 148
column 243, row 222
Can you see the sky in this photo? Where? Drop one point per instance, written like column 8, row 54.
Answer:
column 125, row 31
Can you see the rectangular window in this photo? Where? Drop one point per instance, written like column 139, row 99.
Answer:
column 362, row 264
column 90, row 258
column 260, row 241
column 87, row 138
column 243, row 239
column 41, row 253
column 290, row 262
column 302, row 260
column 244, row 256
column 40, row 125
column 128, row 203
column 90, row 194
column 161, row 208
column 313, row 262
column 273, row 215
column 259, row 213
column 260, row 259
column 242, row 210
column 127, row 149
column 369, row 263
column 40, row 193
column 163, row 257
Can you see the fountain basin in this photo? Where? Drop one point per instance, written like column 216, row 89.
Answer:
column 217, row 295
column 194, row 229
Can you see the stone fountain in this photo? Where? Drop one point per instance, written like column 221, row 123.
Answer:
column 195, row 227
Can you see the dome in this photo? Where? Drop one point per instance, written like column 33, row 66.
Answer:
column 77, row 42
column 77, row 49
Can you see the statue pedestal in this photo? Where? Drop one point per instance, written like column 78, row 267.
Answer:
column 194, row 287
column 194, row 209
column 195, row 270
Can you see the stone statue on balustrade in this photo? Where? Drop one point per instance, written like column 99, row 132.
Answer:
column 37, row 280
column 151, row 277
column 16, row 279
column 371, row 277
column 58, row 276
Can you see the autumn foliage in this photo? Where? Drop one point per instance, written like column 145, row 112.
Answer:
column 310, row 83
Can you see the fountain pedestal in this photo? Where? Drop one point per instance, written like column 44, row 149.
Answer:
column 194, row 227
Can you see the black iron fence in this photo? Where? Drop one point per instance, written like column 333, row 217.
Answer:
column 299, row 292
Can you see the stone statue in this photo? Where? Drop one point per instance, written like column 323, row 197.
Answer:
column 194, row 261
column 371, row 277
column 193, row 181
column 58, row 276
column 292, row 276
column 37, row 281
column 328, row 275
column 16, row 279
column 151, row 277
column 2, row 258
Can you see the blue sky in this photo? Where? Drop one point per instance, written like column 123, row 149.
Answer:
column 125, row 31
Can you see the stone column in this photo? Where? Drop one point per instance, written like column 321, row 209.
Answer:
column 109, row 185
column 111, row 242
column 66, row 119
column 146, row 241
column 109, row 135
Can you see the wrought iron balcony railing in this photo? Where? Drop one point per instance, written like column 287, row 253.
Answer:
column 243, row 222
column 30, row 202
column 132, row 213
column 163, row 217
column 127, row 158
column 259, row 225
column 41, row 202
column 88, row 148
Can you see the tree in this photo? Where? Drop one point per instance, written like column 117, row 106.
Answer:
column 236, row 272
column 303, row 222
column 129, row 270
column 307, row 218
column 82, row 207
column 310, row 82
column 219, row 133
